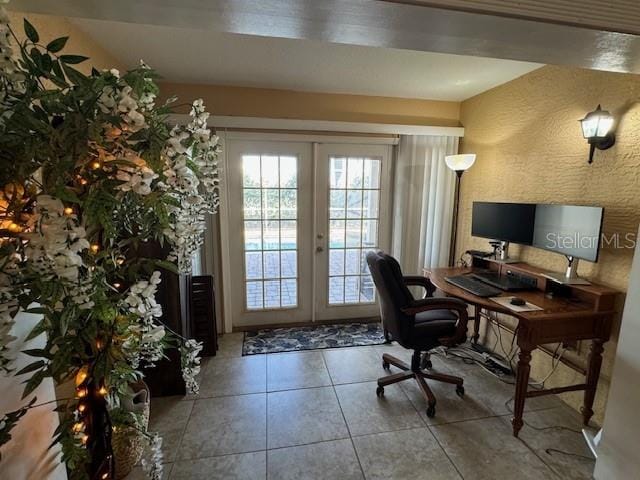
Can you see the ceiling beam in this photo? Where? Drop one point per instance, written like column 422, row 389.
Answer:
column 372, row 23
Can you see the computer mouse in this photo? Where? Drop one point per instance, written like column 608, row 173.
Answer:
column 518, row 301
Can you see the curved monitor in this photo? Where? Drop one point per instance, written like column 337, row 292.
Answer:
column 571, row 230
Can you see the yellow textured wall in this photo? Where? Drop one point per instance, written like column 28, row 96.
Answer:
column 50, row 27
column 530, row 148
column 274, row 103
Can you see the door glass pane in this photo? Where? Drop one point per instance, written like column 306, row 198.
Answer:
column 254, row 295
column 336, row 204
column 270, row 172
column 354, row 173
column 270, row 210
column 289, row 292
column 253, row 265
column 354, row 203
column 251, row 171
column 336, row 233
column 350, row 239
column 288, row 203
column 338, row 172
column 371, row 173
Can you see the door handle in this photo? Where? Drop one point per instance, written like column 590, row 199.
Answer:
column 319, row 249
column 320, row 236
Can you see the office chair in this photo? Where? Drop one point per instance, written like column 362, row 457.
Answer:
column 419, row 325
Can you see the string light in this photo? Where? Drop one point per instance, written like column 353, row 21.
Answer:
column 95, row 247
column 81, row 376
column 14, row 227
column 82, row 407
column 103, row 391
column 105, row 475
column 120, row 260
column 96, row 165
column 82, row 392
column 83, row 181
column 84, row 439
column 117, row 285
column 78, row 427
column 99, row 344
column 68, row 211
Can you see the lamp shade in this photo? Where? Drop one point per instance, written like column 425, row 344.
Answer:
column 596, row 124
column 460, row 162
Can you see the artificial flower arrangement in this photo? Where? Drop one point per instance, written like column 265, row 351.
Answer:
column 90, row 172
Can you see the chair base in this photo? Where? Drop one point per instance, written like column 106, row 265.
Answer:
column 419, row 376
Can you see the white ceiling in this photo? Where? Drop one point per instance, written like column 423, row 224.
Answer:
column 208, row 57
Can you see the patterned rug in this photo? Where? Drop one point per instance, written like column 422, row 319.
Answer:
column 311, row 338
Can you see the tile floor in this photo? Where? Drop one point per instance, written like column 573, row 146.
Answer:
column 314, row 415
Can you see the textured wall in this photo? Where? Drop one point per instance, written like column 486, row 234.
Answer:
column 530, row 148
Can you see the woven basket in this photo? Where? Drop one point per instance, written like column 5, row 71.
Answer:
column 128, row 443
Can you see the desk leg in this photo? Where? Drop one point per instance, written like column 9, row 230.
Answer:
column 522, row 384
column 476, row 323
column 593, row 372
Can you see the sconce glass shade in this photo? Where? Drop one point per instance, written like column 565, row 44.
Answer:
column 460, row 162
column 596, row 124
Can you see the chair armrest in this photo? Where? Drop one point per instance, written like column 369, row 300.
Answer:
column 444, row 303
column 420, row 281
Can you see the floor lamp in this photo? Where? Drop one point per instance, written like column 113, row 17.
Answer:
column 458, row 163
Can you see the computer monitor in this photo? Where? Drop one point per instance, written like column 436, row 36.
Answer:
column 571, row 230
column 507, row 222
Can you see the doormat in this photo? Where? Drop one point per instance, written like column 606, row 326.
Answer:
column 293, row 339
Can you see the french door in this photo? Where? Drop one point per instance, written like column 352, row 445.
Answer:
column 302, row 216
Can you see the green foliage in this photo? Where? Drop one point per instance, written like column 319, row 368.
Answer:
column 57, row 140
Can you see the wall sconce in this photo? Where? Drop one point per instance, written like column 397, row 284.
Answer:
column 458, row 163
column 596, row 128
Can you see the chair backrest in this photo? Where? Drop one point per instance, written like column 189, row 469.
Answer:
column 393, row 292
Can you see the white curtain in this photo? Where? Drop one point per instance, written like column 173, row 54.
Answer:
column 423, row 202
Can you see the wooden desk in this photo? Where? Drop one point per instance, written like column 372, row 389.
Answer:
column 586, row 314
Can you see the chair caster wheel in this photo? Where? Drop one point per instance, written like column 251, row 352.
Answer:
column 431, row 411
column 380, row 391
column 385, row 365
column 460, row 391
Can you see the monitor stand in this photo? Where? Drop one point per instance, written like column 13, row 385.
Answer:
column 570, row 277
column 502, row 254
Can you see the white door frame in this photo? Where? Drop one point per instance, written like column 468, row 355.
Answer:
column 323, row 309
column 225, row 197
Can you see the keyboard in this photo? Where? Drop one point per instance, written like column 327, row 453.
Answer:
column 472, row 285
column 504, row 282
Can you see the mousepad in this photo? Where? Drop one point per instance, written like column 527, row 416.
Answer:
column 505, row 302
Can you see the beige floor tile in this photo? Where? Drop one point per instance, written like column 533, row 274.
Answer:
column 230, row 345
column 243, row 466
column 319, row 461
column 492, row 392
column 287, row 371
column 297, row 417
column 366, row 413
column 225, row 425
column 541, row 432
column 234, row 376
column 169, row 417
column 486, row 450
column 449, row 406
column 350, row 365
column 404, row 455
